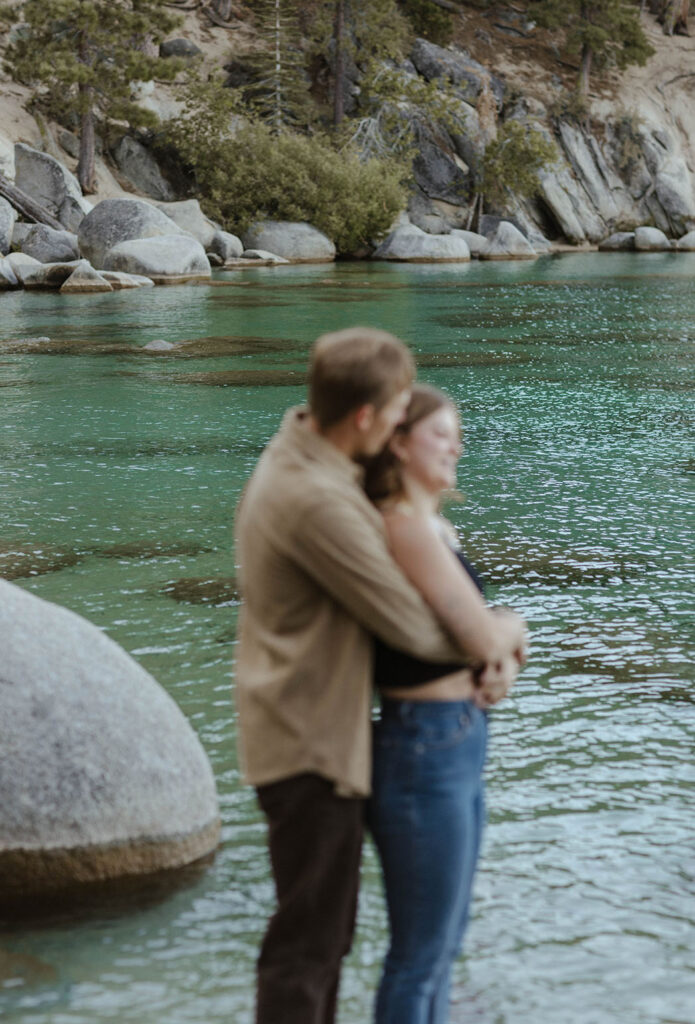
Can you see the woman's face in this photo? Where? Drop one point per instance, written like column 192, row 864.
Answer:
column 430, row 451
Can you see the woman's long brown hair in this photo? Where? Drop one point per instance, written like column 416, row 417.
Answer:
column 383, row 478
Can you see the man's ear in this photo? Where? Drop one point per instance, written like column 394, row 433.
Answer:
column 364, row 418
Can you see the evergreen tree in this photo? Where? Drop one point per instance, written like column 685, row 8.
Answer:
column 85, row 55
column 598, row 30
column 279, row 93
column 354, row 32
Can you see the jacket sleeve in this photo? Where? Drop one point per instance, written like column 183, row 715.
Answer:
column 344, row 550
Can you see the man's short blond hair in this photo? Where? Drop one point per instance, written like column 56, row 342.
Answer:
column 355, row 367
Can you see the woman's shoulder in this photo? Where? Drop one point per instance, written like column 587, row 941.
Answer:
column 404, row 526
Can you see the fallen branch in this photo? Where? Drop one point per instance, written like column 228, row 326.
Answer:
column 27, row 206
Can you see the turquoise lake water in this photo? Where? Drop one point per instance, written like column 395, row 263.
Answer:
column 575, row 375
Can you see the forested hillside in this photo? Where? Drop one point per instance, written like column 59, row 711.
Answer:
column 573, row 119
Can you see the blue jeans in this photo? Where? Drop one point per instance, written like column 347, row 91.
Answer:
column 426, row 816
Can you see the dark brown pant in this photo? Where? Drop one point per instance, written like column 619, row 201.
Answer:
column 315, row 840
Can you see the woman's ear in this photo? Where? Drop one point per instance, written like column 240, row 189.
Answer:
column 398, row 447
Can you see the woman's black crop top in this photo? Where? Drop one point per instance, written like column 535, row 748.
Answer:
column 396, row 668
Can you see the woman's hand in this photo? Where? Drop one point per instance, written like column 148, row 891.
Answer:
column 495, row 680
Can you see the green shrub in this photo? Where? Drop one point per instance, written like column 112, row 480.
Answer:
column 255, row 173
column 429, row 21
column 513, row 161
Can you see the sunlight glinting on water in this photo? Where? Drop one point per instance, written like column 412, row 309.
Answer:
column 119, row 474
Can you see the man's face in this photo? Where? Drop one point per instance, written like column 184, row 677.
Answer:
column 382, row 422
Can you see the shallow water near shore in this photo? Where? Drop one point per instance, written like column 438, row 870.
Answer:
column 119, row 473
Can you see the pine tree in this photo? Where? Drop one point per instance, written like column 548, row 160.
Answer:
column 599, row 30
column 85, row 55
column 354, row 32
column 279, row 93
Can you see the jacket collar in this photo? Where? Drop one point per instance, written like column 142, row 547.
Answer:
column 296, row 432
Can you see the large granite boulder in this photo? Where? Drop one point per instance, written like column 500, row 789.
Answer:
column 50, row 246
column 46, row 180
column 409, row 243
column 101, row 776
column 437, row 168
column 119, row 220
column 293, row 240
column 467, row 76
column 226, row 246
column 166, row 259
column 508, row 243
column 619, row 241
column 8, row 278
column 651, row 240
column 686, row 243
column 141, row 169
column 179, row 48
column 44, row 275
column 8, row 216
column 190, row 219
column 19, row 233
column 476, row 243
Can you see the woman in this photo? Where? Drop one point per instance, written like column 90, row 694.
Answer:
column 426, row 813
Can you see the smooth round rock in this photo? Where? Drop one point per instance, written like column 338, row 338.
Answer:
column 101, row 775
column 166, row 259
column 651, row 240
column 119, row 220
column 409, row 244
column 508, row 243
column 293, row 240
column 619, row 241
column 686, row 243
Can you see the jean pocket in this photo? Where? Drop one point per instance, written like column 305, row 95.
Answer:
column 445, row 731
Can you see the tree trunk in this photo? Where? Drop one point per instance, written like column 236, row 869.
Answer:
column 27, row 206
column 277, row 86
column 86, row 172
column 585, row 70
column 339, row 68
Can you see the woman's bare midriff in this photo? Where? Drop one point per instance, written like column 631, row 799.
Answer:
column 455, row 686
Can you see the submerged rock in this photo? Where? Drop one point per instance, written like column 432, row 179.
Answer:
column 101, row 775
column 293, row 240
column 158, row 345
column 409, row 243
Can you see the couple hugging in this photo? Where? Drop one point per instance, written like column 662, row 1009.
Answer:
column 351, row 580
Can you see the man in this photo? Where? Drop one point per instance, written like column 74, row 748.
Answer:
column 317, row 581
